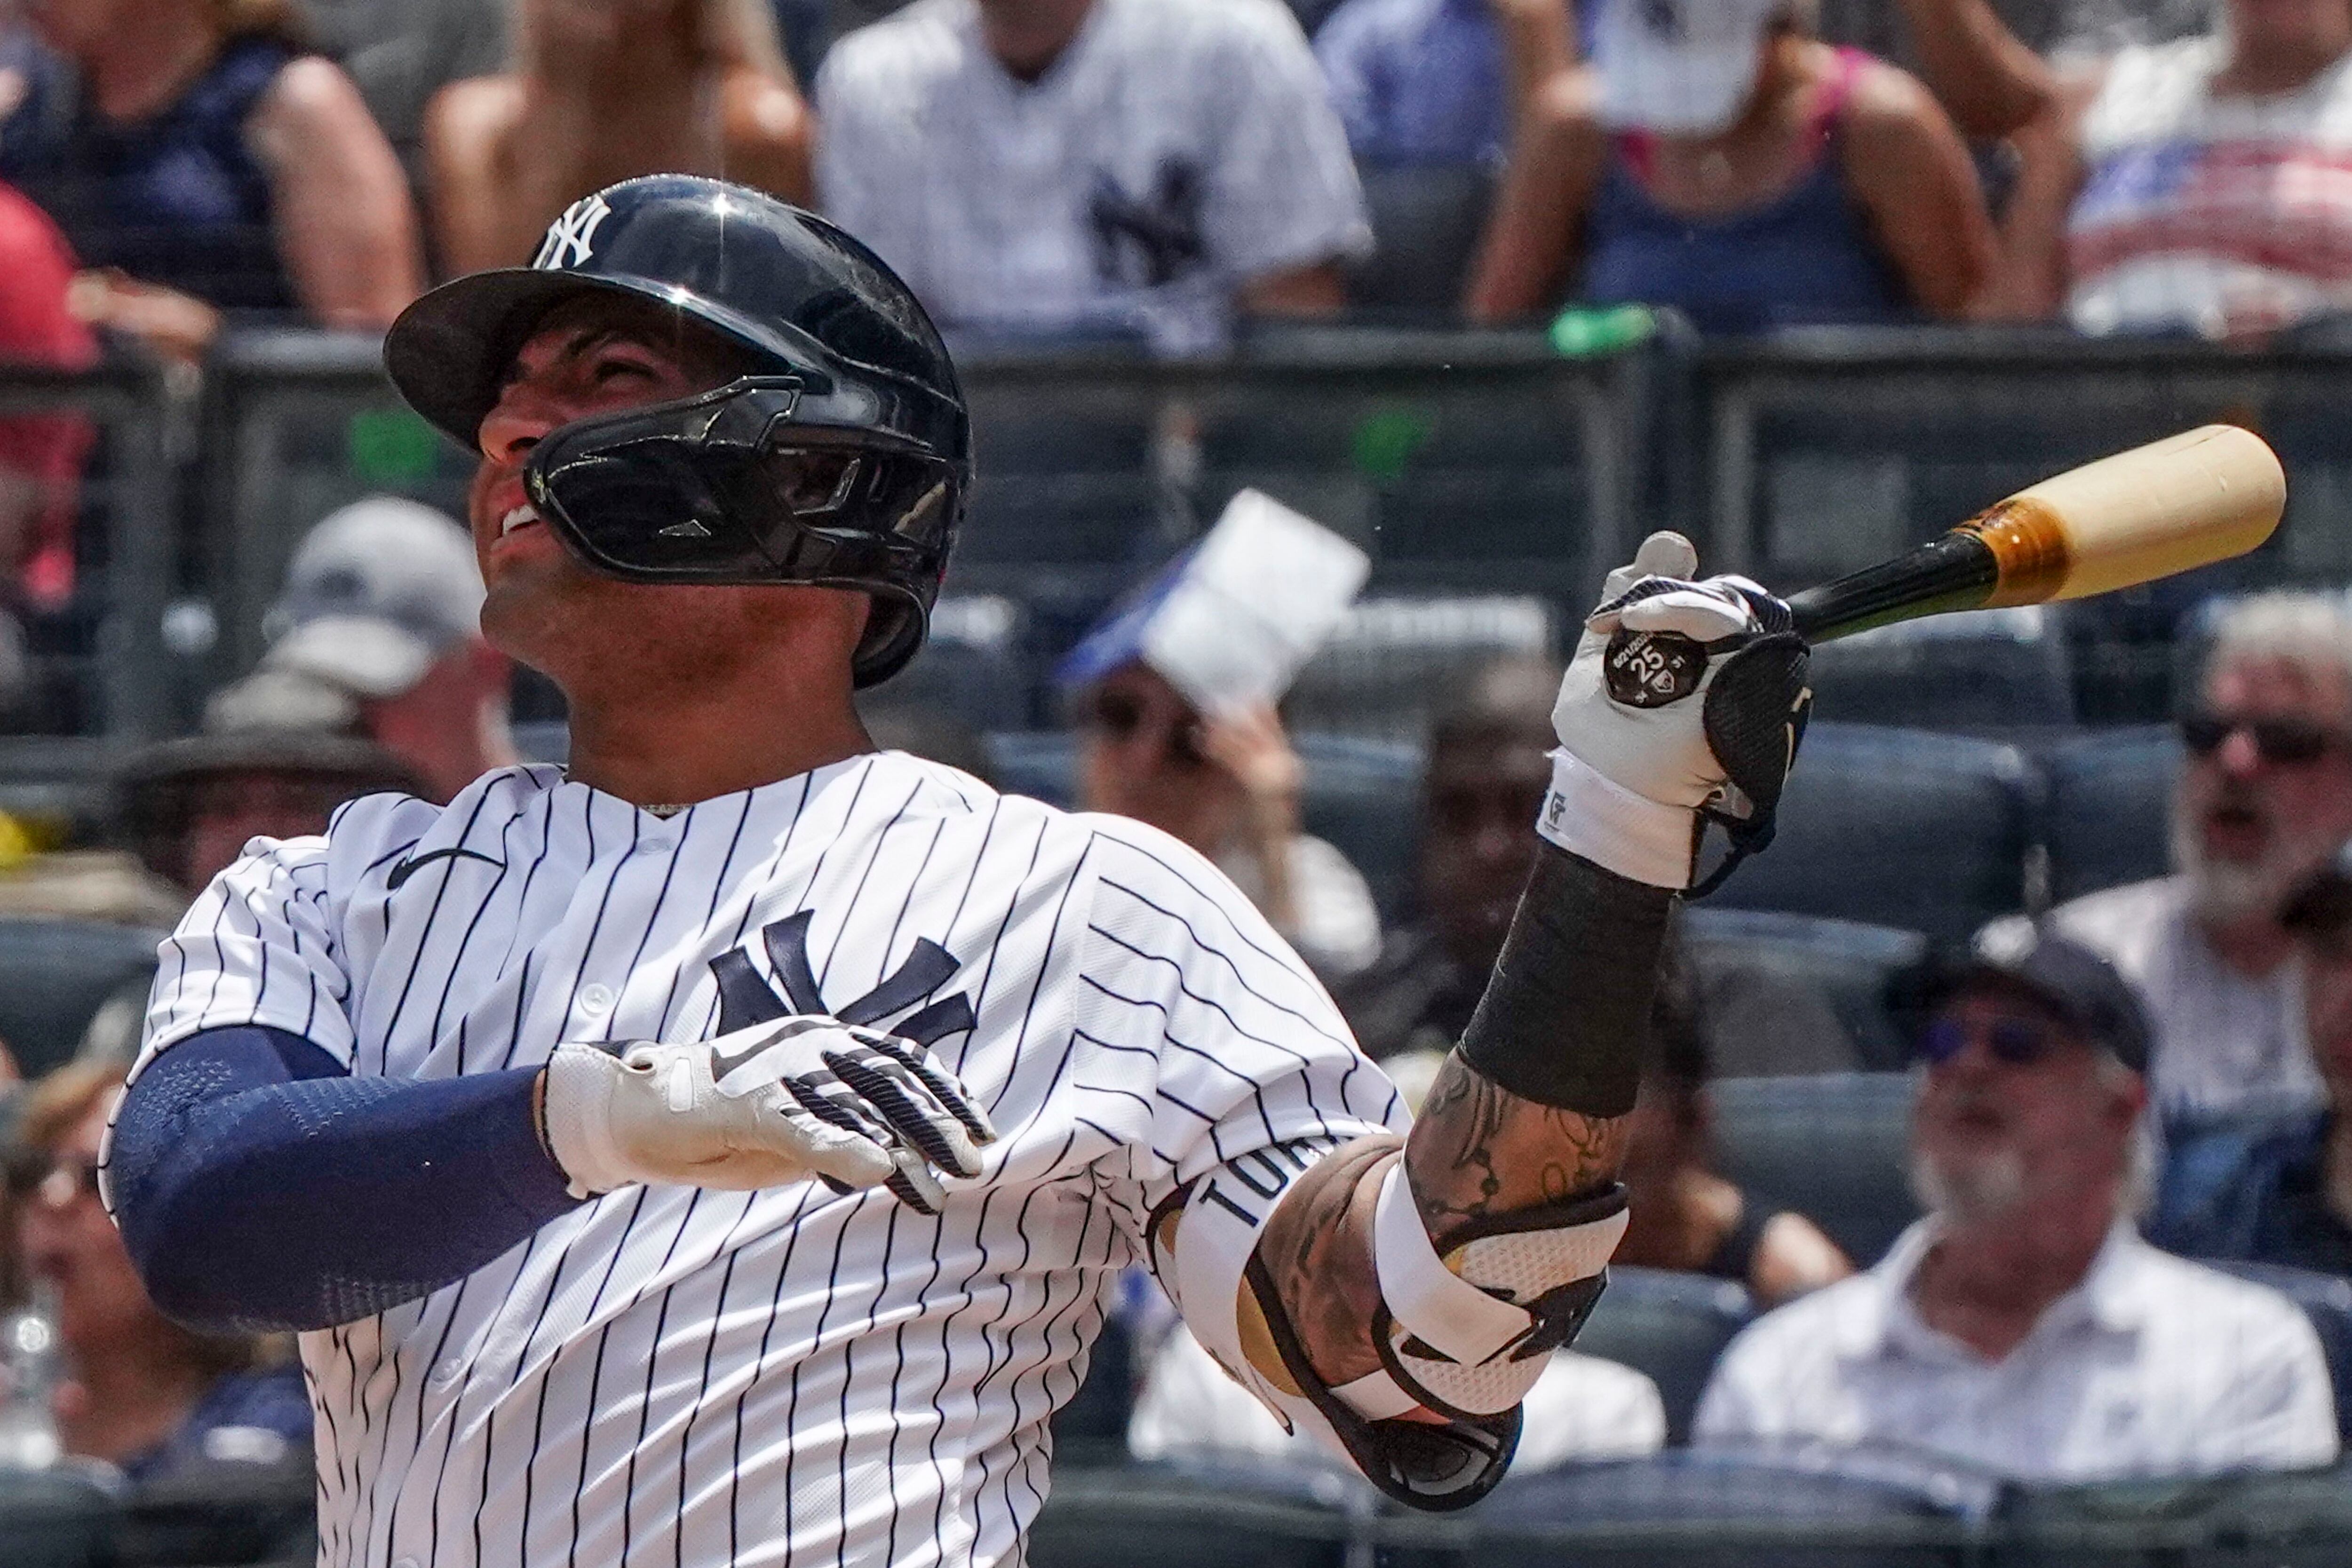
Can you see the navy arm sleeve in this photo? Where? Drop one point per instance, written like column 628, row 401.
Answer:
column 261, row 1189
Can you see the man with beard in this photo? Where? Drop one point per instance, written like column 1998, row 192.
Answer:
column 2265, row 797
column 2023, row 1328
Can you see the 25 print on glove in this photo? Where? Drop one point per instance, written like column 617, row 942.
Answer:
column 774, row 1102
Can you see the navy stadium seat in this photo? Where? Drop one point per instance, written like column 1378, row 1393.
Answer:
column 55, row 1519
column 1426, row 219
column 1788, row 995
column 1258, row 1513
column 2300, row 1519
column 1835, row 1148
column 2326, row 1301
column 972, row 667
column 1361, row 796
column 1397, row 660
column 2108, row 808
column 1993, row 670
column 1669, row 1326
column 1688, row 1509
column 1897, row 828
column 55, row 976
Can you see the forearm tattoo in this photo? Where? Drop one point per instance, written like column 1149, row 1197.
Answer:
column 1478, row 1150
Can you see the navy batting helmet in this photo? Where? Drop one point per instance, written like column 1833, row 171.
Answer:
column 842, row 461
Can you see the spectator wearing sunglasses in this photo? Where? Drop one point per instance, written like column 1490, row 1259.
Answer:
column 2284, row 1195
column 1228, row 786
column 141, row 1393
column 2263, row 797
column 2023, row 1327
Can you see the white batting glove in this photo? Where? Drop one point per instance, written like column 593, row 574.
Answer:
column 759, row 1106
column 1684, row 701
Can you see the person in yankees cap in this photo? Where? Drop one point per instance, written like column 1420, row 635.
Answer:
column 722, row 1151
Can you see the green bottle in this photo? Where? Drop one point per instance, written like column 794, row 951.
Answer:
column 1588, row 332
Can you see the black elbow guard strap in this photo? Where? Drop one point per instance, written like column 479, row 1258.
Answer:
column 1567, row 1012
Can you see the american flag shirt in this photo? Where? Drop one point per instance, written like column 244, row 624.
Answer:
column 2219, row 216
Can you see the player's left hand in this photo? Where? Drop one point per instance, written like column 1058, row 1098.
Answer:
column 772, row 1103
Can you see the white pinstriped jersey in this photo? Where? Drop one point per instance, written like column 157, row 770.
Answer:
column 682, row 1377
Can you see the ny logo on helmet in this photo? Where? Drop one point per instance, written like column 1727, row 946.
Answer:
column 571, row 238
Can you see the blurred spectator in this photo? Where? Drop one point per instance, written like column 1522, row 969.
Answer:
column 2023, row 1327
column 1716, row 158
column 932, row 734
column 2265, row 797
column 2193, row 186
column 1489, row 764
column 1228, row 787
column 2283, row 1194
column 141, row 1394
column 1581, row 1408
column 399, row 53
column 41, row 455
column 1992, row 84
column 1440, row 81
column 189, row 806
column 382, row 603
column 1074, row 168
column 1684, row 1215
column 201, row 161
column 601, row 90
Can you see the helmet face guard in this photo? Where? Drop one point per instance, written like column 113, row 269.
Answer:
column 749, row 484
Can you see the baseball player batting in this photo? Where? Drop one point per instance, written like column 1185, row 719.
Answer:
column 719, row 1151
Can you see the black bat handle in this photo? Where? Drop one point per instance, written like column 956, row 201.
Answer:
column 1954, row 571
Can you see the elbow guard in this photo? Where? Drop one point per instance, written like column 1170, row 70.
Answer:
column 1463, row 1337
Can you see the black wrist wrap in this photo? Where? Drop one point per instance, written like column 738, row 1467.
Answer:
column 1566, row 1015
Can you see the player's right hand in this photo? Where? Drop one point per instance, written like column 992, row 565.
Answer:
column 772, row 1103
column 1687, row 694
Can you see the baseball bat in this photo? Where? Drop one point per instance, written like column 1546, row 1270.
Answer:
column 2173, row 505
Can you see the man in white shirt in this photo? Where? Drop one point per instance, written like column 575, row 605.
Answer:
column 1075, row 168
column 2265, row 797
column 2023, row 1328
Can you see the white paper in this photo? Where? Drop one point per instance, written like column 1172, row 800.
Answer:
column 1266, row 589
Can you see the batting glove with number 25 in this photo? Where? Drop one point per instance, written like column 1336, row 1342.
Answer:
column 1683, row 694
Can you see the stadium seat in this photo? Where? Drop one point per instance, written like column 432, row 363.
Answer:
column 2302, row 1520
column 1397, row 659
column 2108, row 808
column 1897, row 828
column 2326, row 1301
column 55, row 976
column 1994, row 670
column 1426, row 219
column 55, row 1519
column 973, row 667
column 1787, row 994
column 1257, row 1514
column 1685, row 1509
column 1361, row 796
column 1834, row 1148
column 1670, row 1327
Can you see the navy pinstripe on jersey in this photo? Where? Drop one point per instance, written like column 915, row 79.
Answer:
column 684, row 1377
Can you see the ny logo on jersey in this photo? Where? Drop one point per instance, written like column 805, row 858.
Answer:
column 745, row 999
column 571, row 238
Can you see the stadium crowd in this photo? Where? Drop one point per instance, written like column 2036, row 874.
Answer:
column 2130, row 1136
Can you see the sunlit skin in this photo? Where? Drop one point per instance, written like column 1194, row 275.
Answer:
column 2060, row 1129
column 666, row 683
column 2277, row 820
